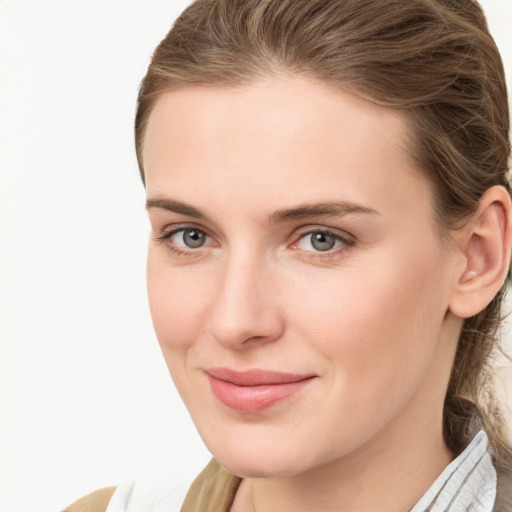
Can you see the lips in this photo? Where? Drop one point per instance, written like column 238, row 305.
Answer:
column 254, row 390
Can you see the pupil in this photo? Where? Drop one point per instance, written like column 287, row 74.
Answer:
column 322, row 241
column 193, row 238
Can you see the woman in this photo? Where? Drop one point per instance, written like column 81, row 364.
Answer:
column 327, row 185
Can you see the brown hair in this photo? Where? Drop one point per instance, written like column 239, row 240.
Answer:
column 433, row 60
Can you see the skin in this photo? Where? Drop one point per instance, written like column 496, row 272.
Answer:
column 369, row 318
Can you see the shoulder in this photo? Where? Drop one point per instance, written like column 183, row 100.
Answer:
column 97, row 501
column 212, row 491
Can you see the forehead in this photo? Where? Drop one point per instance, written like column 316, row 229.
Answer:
column 293, row 136
column 280, row 107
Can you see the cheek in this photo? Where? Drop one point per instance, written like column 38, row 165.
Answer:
column 175, row 304
column 375, row 323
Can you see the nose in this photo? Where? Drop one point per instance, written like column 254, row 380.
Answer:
column 245, row 310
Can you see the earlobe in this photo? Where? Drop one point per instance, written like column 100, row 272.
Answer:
column 486, row 244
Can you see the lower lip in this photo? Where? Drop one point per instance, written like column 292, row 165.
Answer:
column 252, row 399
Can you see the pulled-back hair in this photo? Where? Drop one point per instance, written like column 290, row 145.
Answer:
column 435, row 61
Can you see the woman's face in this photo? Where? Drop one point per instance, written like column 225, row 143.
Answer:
column 297, row 284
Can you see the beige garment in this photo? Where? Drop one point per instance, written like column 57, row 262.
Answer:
column 97, row 501
column 212, row 491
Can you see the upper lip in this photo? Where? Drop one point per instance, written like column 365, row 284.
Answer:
column 256, row 377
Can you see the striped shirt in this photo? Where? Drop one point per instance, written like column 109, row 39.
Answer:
column 468, row 484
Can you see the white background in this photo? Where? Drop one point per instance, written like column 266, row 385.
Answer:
column 85, row 399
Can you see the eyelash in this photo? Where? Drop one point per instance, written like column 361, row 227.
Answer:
column 346, row 242
column 179, row 251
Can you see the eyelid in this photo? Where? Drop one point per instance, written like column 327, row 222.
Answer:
column 318, row 228
column 168, row 231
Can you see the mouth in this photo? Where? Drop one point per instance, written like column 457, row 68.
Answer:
column 254, row 390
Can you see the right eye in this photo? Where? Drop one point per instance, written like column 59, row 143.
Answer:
column 187, row 238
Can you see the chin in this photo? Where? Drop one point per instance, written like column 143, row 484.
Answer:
column 262, row 467
column 252, row 460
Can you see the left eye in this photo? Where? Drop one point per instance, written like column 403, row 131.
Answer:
column 320, row 241
column 189, row 237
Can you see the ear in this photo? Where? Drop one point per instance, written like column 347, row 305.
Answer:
column 486, row 244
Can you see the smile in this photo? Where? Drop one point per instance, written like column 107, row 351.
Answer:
column 255, row 390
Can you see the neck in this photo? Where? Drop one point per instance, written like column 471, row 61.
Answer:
column 389, row 474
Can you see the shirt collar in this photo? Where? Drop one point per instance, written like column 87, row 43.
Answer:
column 468, row 483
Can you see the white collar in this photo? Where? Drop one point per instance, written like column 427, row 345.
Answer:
column 468, row 483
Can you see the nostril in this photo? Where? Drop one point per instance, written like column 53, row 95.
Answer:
column 244, row 329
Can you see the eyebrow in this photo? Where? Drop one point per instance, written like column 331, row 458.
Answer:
column 175, row 206
column 328, row 209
